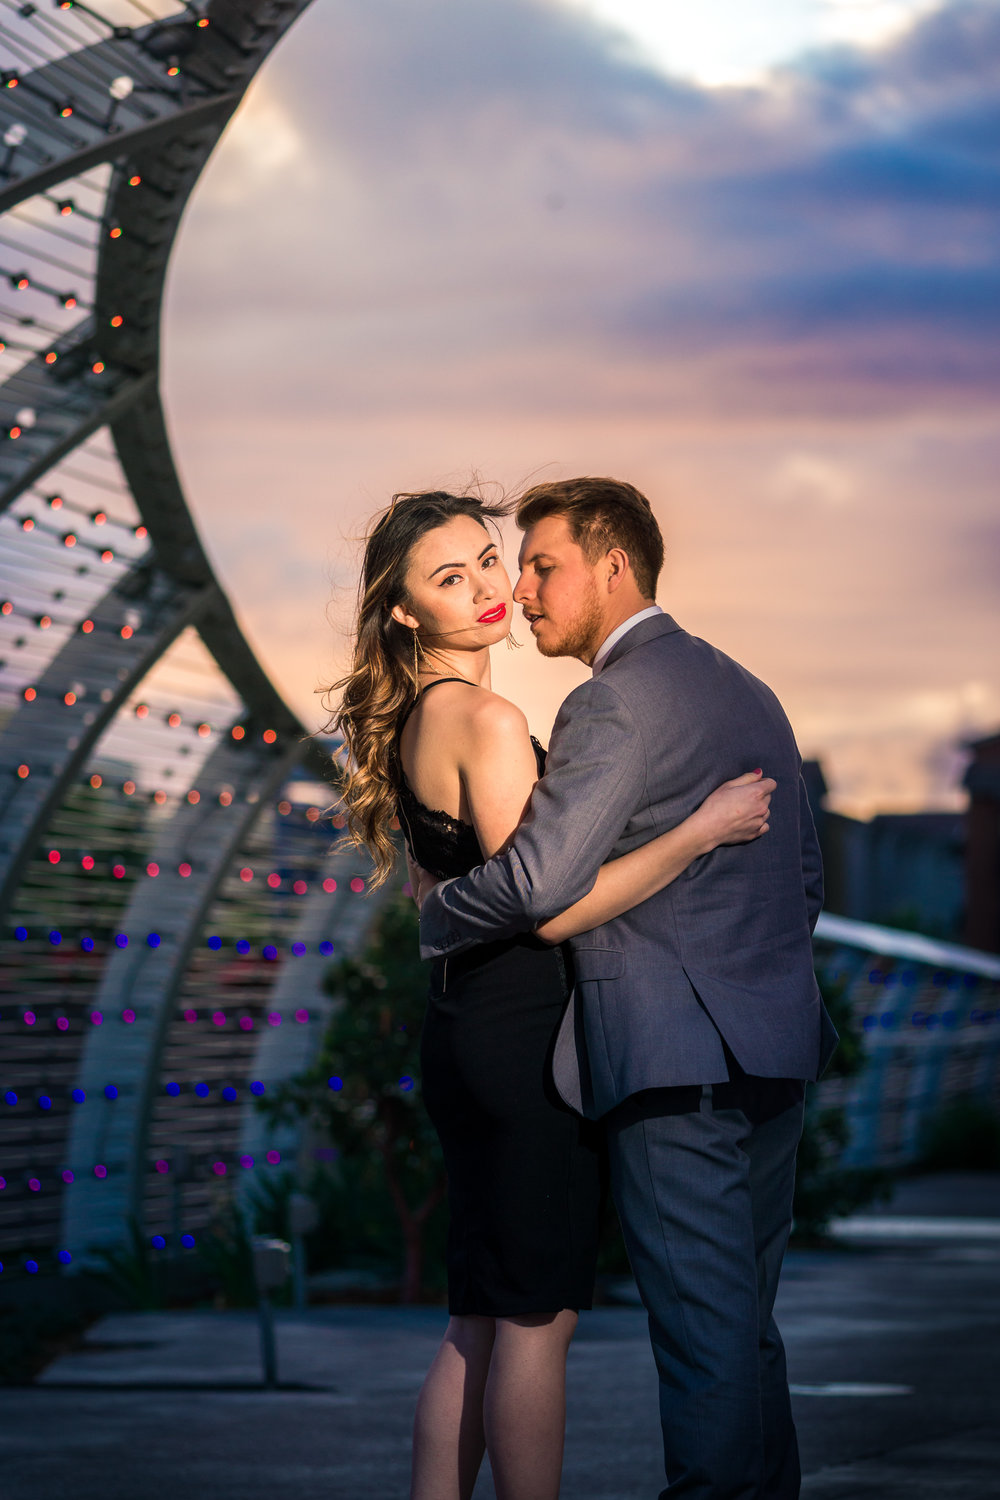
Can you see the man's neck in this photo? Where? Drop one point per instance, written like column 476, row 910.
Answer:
column 619, row 629
column 611, row 624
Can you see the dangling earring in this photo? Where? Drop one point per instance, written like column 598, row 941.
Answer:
column 513, row 644
column 416, row 660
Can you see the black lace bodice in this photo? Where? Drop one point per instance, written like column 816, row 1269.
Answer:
column 443, row 845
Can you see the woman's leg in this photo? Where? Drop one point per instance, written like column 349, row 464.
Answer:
column 525, row 1405
column 448, row 1436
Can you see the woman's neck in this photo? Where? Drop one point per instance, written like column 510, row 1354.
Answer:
column 474, row 666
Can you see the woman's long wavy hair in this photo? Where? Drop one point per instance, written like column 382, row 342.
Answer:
column 384, row 681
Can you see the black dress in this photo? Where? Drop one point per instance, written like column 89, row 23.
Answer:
column 524, row 1171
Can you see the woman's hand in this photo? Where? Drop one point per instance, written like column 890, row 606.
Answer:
column 422, row 882
column 736, row 812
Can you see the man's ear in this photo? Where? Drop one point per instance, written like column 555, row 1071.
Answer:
column 617, row 568
column 402, row 617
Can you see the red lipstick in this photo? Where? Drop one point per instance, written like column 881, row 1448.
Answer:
column 493, row 615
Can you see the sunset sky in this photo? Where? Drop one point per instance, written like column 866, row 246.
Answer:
column 747, row 257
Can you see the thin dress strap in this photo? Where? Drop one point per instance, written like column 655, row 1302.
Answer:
column 436, row 683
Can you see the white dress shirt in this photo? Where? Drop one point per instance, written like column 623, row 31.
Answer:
column 609, row 644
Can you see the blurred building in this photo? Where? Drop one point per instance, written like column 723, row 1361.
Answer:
column 900, row 870
column 982, row 852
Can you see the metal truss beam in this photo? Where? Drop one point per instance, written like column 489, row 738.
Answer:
column 143, row 446
column 72, row 120
column 64, row 415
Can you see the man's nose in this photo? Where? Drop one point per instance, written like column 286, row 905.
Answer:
column 522, row 589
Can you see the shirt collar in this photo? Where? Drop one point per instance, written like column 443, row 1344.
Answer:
column 612, row 640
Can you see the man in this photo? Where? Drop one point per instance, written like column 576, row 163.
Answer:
column 696, row 1015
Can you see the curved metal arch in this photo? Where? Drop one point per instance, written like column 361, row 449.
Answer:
column 106, row 369
column 218, row 52
column 105, row 373
column 64, row 419
column 53, row 739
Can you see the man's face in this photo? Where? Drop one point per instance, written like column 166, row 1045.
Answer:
column 559, row 592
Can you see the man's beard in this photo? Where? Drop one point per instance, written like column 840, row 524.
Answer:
column 581, row 636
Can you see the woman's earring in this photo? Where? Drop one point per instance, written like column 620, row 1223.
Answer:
column 513, row 644
column 416, row 660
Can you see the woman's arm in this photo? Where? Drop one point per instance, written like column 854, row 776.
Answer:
column 496, row 763
column 736, row 813
column 497, row 766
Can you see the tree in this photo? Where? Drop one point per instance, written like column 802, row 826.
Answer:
column 824, row 1189
column 364, row 1089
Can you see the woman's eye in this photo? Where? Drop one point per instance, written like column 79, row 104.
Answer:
column 452, row 578
column 491, row 561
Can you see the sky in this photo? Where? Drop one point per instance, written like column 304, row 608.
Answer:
column 754, row 269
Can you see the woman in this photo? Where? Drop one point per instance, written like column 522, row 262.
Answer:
column 427, row 738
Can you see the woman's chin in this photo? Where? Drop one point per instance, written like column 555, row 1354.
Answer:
column 496, row 630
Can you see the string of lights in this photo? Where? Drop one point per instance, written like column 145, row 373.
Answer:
column 65, row 208
column 215, row 944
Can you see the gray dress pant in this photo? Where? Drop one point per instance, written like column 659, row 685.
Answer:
column 703, row 1180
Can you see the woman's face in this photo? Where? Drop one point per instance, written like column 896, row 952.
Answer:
column 458, row 592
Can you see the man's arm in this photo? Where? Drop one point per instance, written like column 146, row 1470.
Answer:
column 812, row 861
column 593, row 783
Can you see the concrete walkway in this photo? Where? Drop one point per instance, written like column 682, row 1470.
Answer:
column 892, row 1348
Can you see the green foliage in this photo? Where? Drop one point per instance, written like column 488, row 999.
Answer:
column 226, row 1254
column 363, row 1093
column 849, row 1058
column 824, row 1189
column 142, row 1279
column 964, row 1135
column 133, row 1271
column 912, row 919
column 358, row 1225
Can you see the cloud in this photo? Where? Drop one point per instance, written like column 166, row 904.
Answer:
column 808, row 479
column 445, row 238
column 491, row 204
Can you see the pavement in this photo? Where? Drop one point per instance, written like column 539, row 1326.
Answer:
column 892, row 1339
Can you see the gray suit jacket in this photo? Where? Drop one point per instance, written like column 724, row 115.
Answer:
column 725, row 951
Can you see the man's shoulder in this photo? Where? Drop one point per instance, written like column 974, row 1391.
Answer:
column 664, row 652
column 596, row 694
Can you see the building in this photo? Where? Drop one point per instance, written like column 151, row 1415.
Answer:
column 982, row 854
column 901, row 870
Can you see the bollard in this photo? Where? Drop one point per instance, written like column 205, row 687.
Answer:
column 303, row 1216
column 270, row 1270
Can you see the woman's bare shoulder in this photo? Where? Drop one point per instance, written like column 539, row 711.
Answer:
column 474, row 712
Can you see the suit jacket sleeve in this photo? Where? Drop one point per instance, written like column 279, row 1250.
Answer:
column 812, row 862
column 593, row 783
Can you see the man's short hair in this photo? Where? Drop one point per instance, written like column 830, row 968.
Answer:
column 601, row 514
